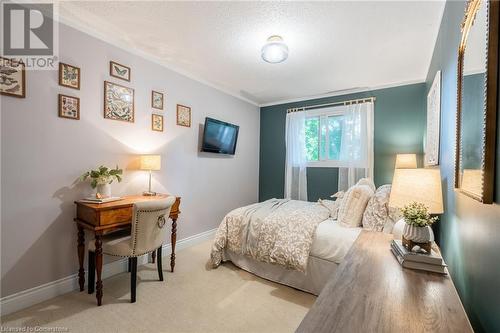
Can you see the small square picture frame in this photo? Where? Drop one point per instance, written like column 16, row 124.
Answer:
column 157, row 122
column 14, row 80
column 183, row 115
column 69, row 76
column 68, row 107
column 157, row 100
column 119, row 71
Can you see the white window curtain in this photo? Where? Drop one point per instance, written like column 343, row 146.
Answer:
column 356, row 149
column 296, row 157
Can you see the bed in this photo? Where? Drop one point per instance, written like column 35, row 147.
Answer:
column 330, row 244
column 297, row 243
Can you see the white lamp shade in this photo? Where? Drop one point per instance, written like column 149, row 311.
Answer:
column 420, row 185
column 150, row 162
column 406, row 161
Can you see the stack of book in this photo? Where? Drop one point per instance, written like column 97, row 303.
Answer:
column 100, row 200
column 432, row 262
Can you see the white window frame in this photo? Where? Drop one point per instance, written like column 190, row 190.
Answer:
column 323, row 114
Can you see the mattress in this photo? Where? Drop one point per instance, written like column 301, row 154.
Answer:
column 331, row 243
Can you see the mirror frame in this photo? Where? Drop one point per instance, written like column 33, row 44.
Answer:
column 491, row 97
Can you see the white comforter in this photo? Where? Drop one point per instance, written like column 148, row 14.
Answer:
column 332, row 240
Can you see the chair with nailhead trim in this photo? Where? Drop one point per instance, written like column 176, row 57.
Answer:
column 149, row 232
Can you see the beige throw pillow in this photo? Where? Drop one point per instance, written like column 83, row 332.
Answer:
column 377, row 210
column 367, row 182
column 353, row 205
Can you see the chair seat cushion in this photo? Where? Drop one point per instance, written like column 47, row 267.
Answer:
column 115, row 246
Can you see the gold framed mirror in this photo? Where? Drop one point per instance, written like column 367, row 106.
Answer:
column 477, row 100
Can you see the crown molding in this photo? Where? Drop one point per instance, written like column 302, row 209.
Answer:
column 343, row 92
column 127, row 48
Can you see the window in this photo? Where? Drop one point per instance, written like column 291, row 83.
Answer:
column 324, row 137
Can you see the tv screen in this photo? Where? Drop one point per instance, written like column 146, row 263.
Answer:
column 219, row 137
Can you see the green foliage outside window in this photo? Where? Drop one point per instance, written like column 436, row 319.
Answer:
column 317, row 131
column 312, row 138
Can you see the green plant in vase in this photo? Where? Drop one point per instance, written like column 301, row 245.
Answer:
column 417, row 230
column 101, row 179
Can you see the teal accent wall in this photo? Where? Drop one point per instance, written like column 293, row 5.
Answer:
column 399, row 128
column 469, row 232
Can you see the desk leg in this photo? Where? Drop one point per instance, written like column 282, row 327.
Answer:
column 98, row 268
column 81, row 257
column 173, row 240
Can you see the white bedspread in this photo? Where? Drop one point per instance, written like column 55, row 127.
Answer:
column 332, row 240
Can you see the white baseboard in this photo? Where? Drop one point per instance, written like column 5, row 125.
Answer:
column 32, row 296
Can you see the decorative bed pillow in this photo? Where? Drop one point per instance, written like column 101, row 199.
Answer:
column 377, row 210
column 332, row 206
column 367, row 182
column 353, row 205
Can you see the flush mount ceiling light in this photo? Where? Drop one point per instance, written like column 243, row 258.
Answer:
column 275, row 50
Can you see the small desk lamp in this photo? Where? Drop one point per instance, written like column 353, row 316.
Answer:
column 406, row 161
column 151, row 163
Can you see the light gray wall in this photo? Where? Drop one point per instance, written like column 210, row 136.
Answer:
column 43, row 154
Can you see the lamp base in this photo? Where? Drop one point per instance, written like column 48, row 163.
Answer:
column 148, row 193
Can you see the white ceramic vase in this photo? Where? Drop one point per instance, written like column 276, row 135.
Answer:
column 104, row 190
column 418, row 234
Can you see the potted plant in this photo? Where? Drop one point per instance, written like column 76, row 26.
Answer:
column 101, row 179
column 417, row 230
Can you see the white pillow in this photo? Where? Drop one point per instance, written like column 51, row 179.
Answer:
column 353, row 205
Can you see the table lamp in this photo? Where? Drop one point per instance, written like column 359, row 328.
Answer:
column 150, row 163
column 406, row 161
column 421, row 186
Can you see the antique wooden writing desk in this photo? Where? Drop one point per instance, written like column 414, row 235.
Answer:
column 105, row 218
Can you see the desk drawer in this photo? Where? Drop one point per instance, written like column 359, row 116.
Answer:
column 103, row 217
column 112, row 216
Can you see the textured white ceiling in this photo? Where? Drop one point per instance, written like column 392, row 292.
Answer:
column 333, row 45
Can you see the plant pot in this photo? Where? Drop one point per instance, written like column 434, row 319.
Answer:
column 418, row 234
column 104, row 190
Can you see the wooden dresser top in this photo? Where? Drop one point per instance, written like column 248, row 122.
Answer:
column 371, row 292
column 126, row 201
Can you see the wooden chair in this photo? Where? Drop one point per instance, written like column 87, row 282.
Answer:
column 149, row 231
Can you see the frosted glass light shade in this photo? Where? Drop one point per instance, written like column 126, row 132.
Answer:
column 406, row 161
column 150, row 162
column 420, row 185
column 275, row 50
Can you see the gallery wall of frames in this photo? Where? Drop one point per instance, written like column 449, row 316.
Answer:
column 118, row 103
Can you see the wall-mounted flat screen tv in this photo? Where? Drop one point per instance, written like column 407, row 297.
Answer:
column 219, row 137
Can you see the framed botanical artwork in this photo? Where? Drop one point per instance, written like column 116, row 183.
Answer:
column 69, row 76
column 157, row 100
column 118, row 102
column 433, row 118
column 157, row 122
column 13, row 78
column 69, row 107
column 183, row 115
column 119, row 71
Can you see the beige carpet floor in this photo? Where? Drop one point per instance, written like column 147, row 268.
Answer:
column 193, row 299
